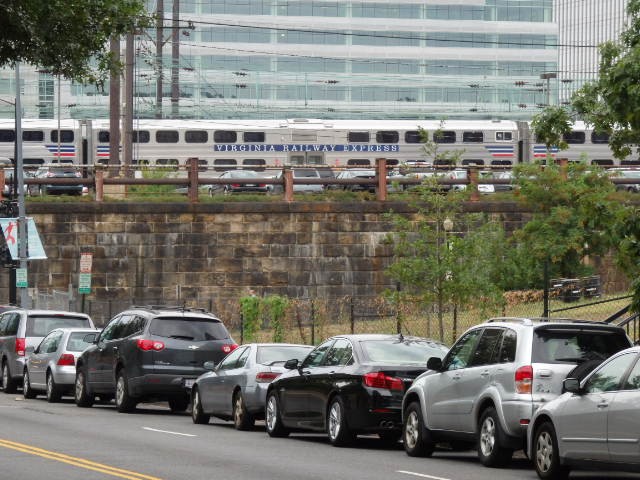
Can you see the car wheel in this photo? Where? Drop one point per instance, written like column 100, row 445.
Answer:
column 53, row 391
column 197, row 414
column 124, row 402
column 415, row 435
column 242, row 419
column 337, row 428
column 8, row 383
column 210, row 191
column 82, row 396
column 546, row 459
column 490, row 451
column 273, row 420
column 27, row 391
column 226, row 191
column 178, row 404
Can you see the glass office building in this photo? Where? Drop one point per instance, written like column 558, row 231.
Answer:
column 328, row 59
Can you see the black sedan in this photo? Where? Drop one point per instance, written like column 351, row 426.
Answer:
column 348, row 385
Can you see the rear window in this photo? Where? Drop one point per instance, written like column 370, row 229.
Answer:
column 77, row 343
column 277, row 353
column 576, row 346
column 41, row 325
column 408, row 351
column 196, row 329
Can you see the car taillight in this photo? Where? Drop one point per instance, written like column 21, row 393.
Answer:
column 524, row 379
column 145, row 345
column 266, row 377
column 21, row 344
column 229, row 347
column 235, row 185
column 380, row 380
column 66, row 359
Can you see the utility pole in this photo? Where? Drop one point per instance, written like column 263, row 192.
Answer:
column 175, row 60
column 127, row 127
column 114, row 108
column 22, row 220
column 159, row 45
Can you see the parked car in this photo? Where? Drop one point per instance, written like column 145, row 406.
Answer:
column 22, row 330
column 356, row 173
column 300, row 174
column 503, row 175
column 150, row 353
column 57, row 189
column 494, row 378
column 236, row 388
column 626, row 174
column 51, row 367
column 349, row 384
column 256, row 185
column 463, row 175
column 595, row 424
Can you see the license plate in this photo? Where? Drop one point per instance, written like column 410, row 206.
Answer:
column 188, row 382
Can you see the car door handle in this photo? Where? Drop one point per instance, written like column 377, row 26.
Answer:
column 485, row 373
column 457, row 377
column 603, row 405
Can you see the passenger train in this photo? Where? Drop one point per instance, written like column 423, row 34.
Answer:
column 223, row 144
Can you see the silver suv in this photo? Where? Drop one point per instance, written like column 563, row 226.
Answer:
column 23, row 330
column 487, row 388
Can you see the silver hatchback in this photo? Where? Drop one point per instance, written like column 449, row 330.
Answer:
column 51, row 368
column 494, row 378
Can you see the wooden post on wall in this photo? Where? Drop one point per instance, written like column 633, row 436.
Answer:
column 381, row 176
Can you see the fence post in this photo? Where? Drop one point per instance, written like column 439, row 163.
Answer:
column 381, row 176
column 545, row 312
column 193, row 179
column 241, row 328
column 287, row 177
column 313, row 323
column 99, row 181
column 352, row 317
column 473, row 184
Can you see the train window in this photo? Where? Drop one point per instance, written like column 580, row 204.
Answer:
column 7, row 136
column 597, row 137
column 473, row 161
column 203, row 165
column 33, row 135
column 257, row 137
column 501, row 163
column 103, row 136
column 444, row 136
column 387, row 137
column 167, row 136
column 141, row 136
column 605, row 162
column 257, row 164
column 392, row 162
column 413, row 136
column 359, row 162
column 444, row 162
column 504, row 136
column 629, row 162
column 142, row 162
column 168, row 163
column 196, row 136
column 224, row 164
column 30, row 162
column 304, row 137
column 225, row 136
column 354, row 137
column 315, row 159
column 297, row 159
column 472, row 137
column 102, row 161
column 65, row 136
column 574, row 137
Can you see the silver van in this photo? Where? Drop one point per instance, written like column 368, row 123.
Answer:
column 487, row 388
column 21, row 331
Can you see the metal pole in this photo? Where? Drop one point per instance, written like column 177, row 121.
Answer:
column 22, row 220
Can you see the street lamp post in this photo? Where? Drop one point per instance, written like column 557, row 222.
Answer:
column 548, row 76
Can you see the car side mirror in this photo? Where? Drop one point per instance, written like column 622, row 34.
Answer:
column 571, row 385
column 291, row 364
column 434, row 363
column 209, row 365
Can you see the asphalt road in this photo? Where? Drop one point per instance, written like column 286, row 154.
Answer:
column 60, row 441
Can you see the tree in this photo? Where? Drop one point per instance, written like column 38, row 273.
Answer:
column 612, row 102
column 68, row 38
column 549, row 127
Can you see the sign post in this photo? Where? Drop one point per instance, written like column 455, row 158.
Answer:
column 84, row 280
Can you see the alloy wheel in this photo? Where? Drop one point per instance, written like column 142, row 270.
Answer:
column 271, row 413
column 412, row 430
column 335, row 420
column 487, row 436
column 544, row 451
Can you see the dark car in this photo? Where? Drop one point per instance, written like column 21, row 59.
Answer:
column 252, row 182
column 150, row 353
column 58, row 189
column 349, row 384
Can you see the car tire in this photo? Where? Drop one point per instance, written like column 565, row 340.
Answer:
column 545, row 454
column 197, row 413
column 27, row 391
column 242, row 419
column 272, row 417
column 490, row 438
column 54, row 394
column 338, row 430
column 125, row 403
column 81, row 393
column 415, row 435
column 179, row 404
column 9, row 384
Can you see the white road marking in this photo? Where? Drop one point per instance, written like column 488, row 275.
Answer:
column 421, row 475
column 167, row 431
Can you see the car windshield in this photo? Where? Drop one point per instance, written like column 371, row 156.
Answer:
column 402, row 351
column 576, row 346
column 40, row 325
column 306, row 173
column 268, row 355
column 243, row 174
column 77, row 341
column 195, row 329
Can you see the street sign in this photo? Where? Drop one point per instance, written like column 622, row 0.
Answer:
column 84, row 283
column 86, row 259
column 21, row 278
column 35, row 250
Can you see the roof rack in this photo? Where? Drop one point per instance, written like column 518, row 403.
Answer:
column 524, row 321
column 181, row 308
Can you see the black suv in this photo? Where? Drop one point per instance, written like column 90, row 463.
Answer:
column 150, row 353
